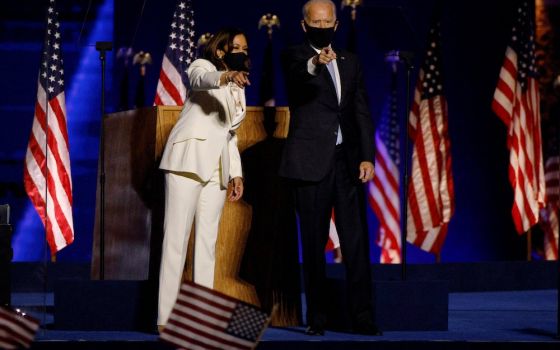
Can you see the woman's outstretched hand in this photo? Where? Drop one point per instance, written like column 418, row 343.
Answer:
column 239, row 78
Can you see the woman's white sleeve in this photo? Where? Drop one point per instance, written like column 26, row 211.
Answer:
column 234, row 159
column 203, row 77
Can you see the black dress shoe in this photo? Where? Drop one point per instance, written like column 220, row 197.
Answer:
column 367, row 328
column 313, row 330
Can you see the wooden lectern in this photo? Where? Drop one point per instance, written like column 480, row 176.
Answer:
column 134, row 208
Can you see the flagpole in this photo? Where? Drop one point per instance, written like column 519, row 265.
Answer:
column 557, row 131
column 404, row 57
column 267, row 323
column 47, row 248
column 558, row 290
column 404, row 202
column 102, row 47
column 47, row 251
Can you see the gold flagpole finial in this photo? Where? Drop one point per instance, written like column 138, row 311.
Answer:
column 142, row 58
column 270, row 21
column 203, row 40
column 353, row 4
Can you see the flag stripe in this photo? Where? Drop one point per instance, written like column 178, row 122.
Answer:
column 57, row 238
column 208, row 335
column 17, row 335
column 54, row 149
column 383, row 190
column 389, row 208
column 381, row 210
column 6, row 343
column 167, row 89
column 16, row 330
column 183, row 336
column 202, row 309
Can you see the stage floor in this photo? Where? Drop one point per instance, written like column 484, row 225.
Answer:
column 515, row 319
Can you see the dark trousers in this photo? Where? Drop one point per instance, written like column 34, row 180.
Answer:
column 314, row 201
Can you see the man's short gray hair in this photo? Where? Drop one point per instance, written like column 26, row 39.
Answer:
column 305, row 8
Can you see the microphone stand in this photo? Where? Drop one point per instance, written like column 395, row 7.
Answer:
column 102, row 47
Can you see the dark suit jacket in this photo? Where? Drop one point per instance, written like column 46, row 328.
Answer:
column 315, row 116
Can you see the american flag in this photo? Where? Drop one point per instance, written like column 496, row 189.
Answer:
column 383, row 190
column 17, row 330
column 516, row 102
column 430, row 188
column 180, row 52
column 333, row 241
column 203, row 318
column 46, row 174
column 549, row 214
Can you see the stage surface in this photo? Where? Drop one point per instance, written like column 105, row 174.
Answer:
column 477, row 320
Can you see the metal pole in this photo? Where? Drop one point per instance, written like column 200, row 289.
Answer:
column 404, row 207
column 557, row 132
column 102, row 47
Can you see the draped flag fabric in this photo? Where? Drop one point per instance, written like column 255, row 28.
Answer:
column 549, row 214
column 333, row 242
column 383, row 190
column 180, row 52
column 46, row 175
column 17, row 330
column 203, row 318
column 430, row 188
column 516, row 102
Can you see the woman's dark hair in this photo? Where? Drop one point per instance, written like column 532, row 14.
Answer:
column 219, row 41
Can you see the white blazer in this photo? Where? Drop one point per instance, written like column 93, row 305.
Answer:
column 204, row 136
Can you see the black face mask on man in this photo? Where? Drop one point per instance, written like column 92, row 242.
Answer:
column 238, row 61
column 319, row 37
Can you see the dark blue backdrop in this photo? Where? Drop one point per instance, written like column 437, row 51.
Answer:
column 475, row 34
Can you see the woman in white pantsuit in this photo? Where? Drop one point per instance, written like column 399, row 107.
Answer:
column 200, row 159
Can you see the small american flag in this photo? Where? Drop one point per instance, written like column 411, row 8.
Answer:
column 46, row 175
column 549, row 214
column 383, row 190
column 16, row 329
column 516, row 101
column 203, row 318
column 430, row 191
column 180, row 52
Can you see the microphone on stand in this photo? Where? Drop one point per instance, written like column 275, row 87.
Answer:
column 398, row 56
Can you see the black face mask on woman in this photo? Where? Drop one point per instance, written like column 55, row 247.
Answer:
column 238, row 61
column 319, row 37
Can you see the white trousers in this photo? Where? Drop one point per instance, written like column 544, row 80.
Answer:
column 188, row 198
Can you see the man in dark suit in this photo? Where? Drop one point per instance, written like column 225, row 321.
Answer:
column 329, row 154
